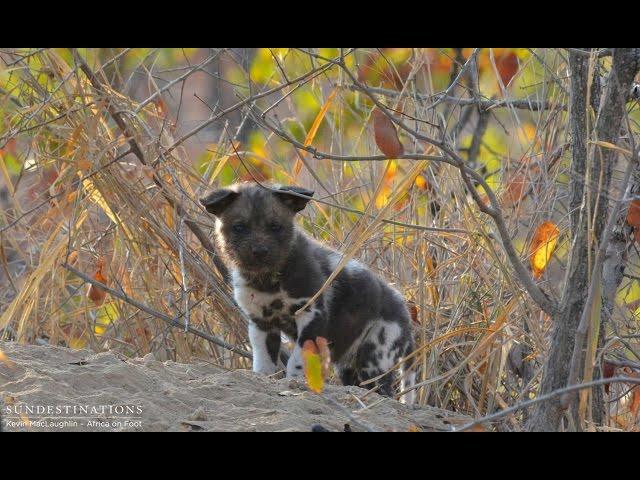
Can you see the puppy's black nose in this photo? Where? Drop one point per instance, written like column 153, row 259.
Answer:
column 259, row 251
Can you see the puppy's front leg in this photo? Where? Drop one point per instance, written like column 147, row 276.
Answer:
column 265, row 343
column 309, row 325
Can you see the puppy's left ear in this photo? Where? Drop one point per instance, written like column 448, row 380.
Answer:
column 293, row 201
column 218, row 200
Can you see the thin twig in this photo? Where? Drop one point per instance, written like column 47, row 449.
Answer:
column 165, row 318
column 483, row 104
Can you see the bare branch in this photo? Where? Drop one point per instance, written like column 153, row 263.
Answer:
column 482, row 103
column 545, row 398
column 494, row 211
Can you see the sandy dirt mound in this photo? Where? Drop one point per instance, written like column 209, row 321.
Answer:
column 51, row 388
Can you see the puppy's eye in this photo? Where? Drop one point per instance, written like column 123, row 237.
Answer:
column 276, row 227
column 240, row 228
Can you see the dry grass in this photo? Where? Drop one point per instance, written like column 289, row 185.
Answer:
column 76, row 199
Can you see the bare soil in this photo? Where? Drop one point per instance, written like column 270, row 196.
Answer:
column 107, row 392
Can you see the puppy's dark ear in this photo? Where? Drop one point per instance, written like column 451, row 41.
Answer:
column 292, row 201
column 218, row 200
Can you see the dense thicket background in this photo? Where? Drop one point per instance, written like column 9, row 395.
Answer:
column 490, row 221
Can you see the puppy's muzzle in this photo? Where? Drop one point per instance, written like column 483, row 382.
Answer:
column 259, row 252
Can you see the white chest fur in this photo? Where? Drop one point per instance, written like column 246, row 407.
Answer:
column 255, row 302
column 272, row 310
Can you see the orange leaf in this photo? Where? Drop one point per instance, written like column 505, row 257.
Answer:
column 635, row 403
column 4, row 359
column 73, row 256
column 385, row 135
column 318, row 120
column 96, row 293
column 636, row 234
column 422, row 183
column 542, row 247
column 297, row 167
column 84, row 165
column 391, row 172
column 476, row 428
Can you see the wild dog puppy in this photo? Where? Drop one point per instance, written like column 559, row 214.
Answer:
column 275, row 268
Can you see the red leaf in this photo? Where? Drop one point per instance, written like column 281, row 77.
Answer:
column 413, row 310
column 161, row 107
column 507, row 66
column 516, row 188
column 386, row 135
column 608, row 371
column 325, row 354
column 633, row 214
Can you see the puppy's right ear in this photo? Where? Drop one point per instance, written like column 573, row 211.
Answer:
column 218, row 200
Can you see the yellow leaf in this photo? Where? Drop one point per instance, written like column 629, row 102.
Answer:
column 542, row 247
column 6, row 176
column 383, row 196
column 263, row 67
column 71, row 143
column 421, row 182
column 312, row 366
column 105, row 316
column 314, row 129
column 527, row 134
column 78, row 343
column 222, row 162
column 94, row 194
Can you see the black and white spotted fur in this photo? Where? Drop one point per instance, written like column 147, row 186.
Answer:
column 275, row 268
